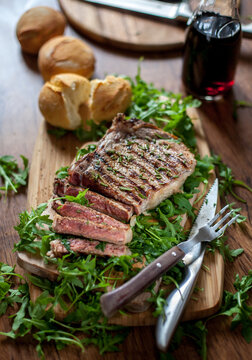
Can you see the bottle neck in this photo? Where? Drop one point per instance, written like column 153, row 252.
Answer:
column 222, row 7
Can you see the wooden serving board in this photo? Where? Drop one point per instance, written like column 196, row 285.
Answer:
column 49, row 155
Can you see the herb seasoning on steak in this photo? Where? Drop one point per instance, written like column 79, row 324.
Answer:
column 135, row 163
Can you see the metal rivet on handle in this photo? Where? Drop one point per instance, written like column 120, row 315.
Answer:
column 159, row 265
column 173, row 253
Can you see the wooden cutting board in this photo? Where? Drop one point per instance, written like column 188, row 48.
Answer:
column 49, row 155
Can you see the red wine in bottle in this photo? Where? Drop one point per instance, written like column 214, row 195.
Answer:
column 211, row 54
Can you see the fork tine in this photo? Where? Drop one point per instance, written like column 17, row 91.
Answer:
column 217, row 215
column 221, row 231
column 222, row 220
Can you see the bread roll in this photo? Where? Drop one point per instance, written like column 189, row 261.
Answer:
column 38, row 25
column 61, row 99
column 65, row 54
column 109, row 97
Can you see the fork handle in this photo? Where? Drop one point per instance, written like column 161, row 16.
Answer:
column 116, row 299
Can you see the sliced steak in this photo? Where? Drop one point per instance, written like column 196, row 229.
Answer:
column 75, row 210
column 98, row 202
column 135, row 163
column 91, row 229
column 84, row 246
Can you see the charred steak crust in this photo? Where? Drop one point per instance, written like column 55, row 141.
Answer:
column 97, row 202
column 135, row 163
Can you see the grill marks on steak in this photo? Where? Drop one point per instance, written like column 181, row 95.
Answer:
column 135, row 167
column 84, row 246
column 97, row 202
column 135, row 163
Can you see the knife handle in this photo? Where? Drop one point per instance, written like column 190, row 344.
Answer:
column 116, row 299
column 176, row 303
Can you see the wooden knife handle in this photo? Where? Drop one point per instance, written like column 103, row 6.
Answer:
column 116, row 299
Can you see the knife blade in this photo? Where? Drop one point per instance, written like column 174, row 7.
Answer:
column 174, row 11
column 178, row 299
column 114, row 300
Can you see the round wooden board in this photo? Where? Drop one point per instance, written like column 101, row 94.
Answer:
column 123, row 30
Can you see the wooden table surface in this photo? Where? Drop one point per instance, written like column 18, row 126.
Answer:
column 228, row 136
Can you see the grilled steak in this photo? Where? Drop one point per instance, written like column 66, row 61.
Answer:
column 135, row 163
column 72, row 209
column 84, row 246
column 98, row 202
column 91, row 229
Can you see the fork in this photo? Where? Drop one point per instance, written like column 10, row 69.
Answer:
column 116, row 299
column 210, row 230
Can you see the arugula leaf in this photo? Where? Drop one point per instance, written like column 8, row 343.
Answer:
column 84, row 151
column 32, row 226
column 236, row 304
column 167, row 109
column 95, row 133
column 62, row 172
column 227, row 253
column 57, row 132
column 13, row 176
column 101, row 246
column 80, row 198
column 227, row 181
column 8, row 296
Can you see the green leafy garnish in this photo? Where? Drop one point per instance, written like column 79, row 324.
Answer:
column 38, row 318
column 57, row 132
column 8, row 296
column 95, row 133
column 227, row 181
column 236, row 304
column 167, row 109
column 12, row 175
column 62, row 173
column 31, row 228
column 80, row 198
column 84, row 151
column 224, row 249
column 101, row 246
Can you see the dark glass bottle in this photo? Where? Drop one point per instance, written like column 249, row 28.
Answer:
column 212, row 49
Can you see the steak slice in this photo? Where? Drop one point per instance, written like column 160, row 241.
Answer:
column 98, row 202
column 135, row 163
column 91, row 229
column 84, row 246
column 75, row 210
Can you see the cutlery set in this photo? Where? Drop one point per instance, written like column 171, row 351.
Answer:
column 206, row 228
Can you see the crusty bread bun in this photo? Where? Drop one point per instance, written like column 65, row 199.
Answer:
column 65, row 54
column 109, row 97
column 38, row 25
column 61, row 99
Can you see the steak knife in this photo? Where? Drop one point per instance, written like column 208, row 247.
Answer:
column 179, row 11
column 116, row 299
column 178, row 298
